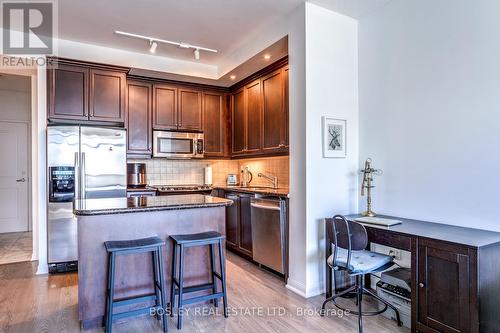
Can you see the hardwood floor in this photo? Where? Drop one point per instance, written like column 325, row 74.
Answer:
column 30, row 303
column 15, row 247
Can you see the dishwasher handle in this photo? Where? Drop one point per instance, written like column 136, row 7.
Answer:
column 269, row 207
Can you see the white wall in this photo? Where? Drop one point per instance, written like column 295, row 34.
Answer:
column 15, row 98
column 429, row 109
column 330, row 185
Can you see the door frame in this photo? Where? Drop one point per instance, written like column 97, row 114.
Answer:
column 29, row 168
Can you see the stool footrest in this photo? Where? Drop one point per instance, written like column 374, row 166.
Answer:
column 195, row 288
column 134, row 299
column 141, row 311
column 202, row 298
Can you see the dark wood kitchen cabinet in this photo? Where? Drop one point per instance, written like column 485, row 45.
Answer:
column 165, row 107
column 253, row 99
column 214, row 123
column 139, row 119
column 107, row 95
column 274, row 121
column 238, row 224
column 260, row 115
column 189, row 112
column 238, row 122
column 446, row 286
column 68, row 91
column 80, row 92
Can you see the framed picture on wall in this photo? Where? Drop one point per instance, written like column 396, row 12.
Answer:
column 334, row 137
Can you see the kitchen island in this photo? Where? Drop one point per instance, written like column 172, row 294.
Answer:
column 101, row 220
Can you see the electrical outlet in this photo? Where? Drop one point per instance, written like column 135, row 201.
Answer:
column 395, row 253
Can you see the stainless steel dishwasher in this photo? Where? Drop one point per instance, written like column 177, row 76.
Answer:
column 269, row 232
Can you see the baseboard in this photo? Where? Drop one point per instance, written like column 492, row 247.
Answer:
column 296, row 287
column 301, row 290
column 43, row 268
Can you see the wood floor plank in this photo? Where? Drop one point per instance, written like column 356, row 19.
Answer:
column 48, row 303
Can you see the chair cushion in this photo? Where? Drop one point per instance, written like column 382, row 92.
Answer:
column 362, row 262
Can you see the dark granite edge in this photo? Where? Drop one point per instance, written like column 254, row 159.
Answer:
column 111, row 211
column 269, row 191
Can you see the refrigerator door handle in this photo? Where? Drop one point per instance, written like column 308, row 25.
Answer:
column 77, row 175
column 83, row 184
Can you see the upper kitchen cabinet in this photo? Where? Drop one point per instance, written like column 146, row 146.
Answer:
column 79, row 91
column 139, row 119
column 214, row 124
column 260, row 115
column 253, row 99
column 176, row 108
column 164, row 107
column 238, row 116
column 107, row 95
column 190, row 112
column 68, row 91
column 274, row 123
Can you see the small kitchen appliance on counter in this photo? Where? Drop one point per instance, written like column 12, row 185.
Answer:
column 232, row 179
column 136, row 175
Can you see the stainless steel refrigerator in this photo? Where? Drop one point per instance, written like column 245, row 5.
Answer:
column 82, row 163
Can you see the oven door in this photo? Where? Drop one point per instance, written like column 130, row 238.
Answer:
column 173, row 145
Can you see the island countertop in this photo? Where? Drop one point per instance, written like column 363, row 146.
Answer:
column 106, row 206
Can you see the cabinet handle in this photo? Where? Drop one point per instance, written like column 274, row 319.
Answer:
column 421, row 285
column 281, row 145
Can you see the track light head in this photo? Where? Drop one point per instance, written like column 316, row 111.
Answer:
column 197, row 54
column 152, row 46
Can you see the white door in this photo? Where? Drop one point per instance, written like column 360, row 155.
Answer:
column 13, row 177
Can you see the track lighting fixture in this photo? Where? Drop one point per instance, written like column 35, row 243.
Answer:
column 152, row 46
column 153, row 43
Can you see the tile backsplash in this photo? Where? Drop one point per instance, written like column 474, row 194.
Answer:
column 160, row 171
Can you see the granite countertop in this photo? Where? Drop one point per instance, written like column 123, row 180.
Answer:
column 281, row 191
column 142, row 204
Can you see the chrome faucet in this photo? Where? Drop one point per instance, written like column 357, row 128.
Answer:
column 272, row 179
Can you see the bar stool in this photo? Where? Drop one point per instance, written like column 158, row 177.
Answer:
column 177, row 287
column 114, row 248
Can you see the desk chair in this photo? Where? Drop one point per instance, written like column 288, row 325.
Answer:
column 349, row 254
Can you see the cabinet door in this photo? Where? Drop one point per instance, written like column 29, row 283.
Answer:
column 273, row 111
column 107, row 95
column 284, row 126
column 245, row 225
column 139, row 114
column 164, row 107
column 238, row 121
column 190, row 111
column 214, row 124
column 233, row 221
column 443, row 287
column 68, row 92
column 253, row 101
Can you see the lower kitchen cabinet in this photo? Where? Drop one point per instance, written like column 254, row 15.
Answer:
column 238, row 224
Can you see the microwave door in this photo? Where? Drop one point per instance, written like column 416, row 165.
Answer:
column 176, row 147
column 103, row 162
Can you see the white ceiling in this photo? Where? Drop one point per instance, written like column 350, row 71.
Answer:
column 216, row 24
column 353, row 8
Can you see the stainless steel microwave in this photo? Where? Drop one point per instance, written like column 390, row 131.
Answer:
column 181, row 145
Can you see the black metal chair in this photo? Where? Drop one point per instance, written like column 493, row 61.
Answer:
column 210, row 238
column 114, row 248
column 349, row 254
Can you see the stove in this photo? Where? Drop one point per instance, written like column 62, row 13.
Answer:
column 182, row 189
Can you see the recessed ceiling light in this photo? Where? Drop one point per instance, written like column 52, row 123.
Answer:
column 267, row 56
column 232, row 77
